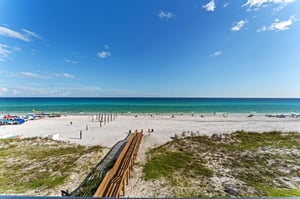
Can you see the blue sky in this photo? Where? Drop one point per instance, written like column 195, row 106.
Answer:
column 154, row 48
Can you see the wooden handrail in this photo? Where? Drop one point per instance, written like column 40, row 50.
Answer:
column 113, row 182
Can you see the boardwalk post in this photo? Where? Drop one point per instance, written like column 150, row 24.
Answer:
column 123, row 188
column 127, row 177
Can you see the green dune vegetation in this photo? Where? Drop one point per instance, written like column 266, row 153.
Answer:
column 38, row 166
column 240, row 164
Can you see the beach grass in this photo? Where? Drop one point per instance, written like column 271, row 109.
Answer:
column 246, row 164
column 253, row 141
column 165, row 164
column 39, row 164
column 270, row 191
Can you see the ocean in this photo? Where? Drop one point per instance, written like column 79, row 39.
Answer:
column 150, row 105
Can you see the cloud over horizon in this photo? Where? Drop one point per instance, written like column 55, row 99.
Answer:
column 3, row 89
column 45, row 76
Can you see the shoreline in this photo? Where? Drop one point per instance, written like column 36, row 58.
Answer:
column 156, row 113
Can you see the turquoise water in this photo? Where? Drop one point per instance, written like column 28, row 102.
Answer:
column 149, row 105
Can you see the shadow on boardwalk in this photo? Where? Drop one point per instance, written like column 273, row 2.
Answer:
column 90, row 184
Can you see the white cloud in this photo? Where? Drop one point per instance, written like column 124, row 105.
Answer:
column 165, row 15
column 34, row 52
column 237, row 26
column 103, row 54
column 256, row 4
column 16, row 92
column 5, row 51
column 7, row 73
column 70, row 61
column 45, row 75
column 16, row 49
column 210, row 6
column 55, row 91
column 13, row 34
column 66, row 75
column 226, row 5
column 31, row 34
column 3, row 89
column 278, row 25
column 42, row 75
column 28, row 89
column 26, row 36
column 216, row 53
column 32, row 75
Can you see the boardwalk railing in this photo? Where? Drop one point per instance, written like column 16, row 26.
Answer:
column 116, row 178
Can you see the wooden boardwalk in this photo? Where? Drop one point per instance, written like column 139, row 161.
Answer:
column 113, row 184
column 90, row 184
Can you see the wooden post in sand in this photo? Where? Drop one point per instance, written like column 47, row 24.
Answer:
column 80, row 134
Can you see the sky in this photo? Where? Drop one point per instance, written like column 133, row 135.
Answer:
column 153, row 48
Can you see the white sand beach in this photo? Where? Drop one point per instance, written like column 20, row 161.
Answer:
column 164, row 129
column 164, row 126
